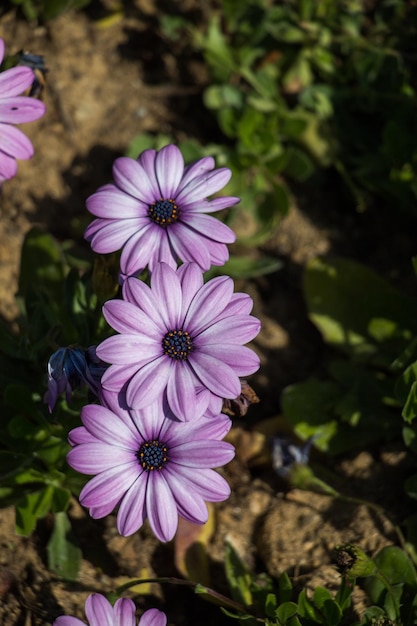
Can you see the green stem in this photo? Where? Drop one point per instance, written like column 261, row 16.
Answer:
column 197, row 587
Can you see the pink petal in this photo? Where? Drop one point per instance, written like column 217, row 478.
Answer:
column 210, row 300
column 181, row 392
column 132, row 511
column 108, row 427
column 116, row 376
column 167, row 289
column 191, row 279
column 125, row 317
column 189, row 245
column 209, row 484
column 218, row 377
column 147, row 160
column 15, row 81
column 8, row 167
column 207, row 185
column 107, row 488
column 80, row 435
column 194, row 170
column 15, row 143
column 190, row 504
column 161, row 508
column 140, row 249
column 98, row 610
column 202, row 454
column 210, row 227
column 130, row 176
column 238, row 329
column 140, row 294
column 20, row 109
column 240, row 304
column 169, row 168
column 127, row 350
column 66, row 620
column 111, row 235
column 93, row 458
column 149, row 382
column 153, row 617
column 112, row 203
column 124, row 611
column 241, row 359
column 209, row 206
column 201, row 428
column 149, row 420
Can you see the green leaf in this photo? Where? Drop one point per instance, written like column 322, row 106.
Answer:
column 285, row 31
column 64, row 555
column 41, row 263
column 396, row 567
column 299, row 166
column 409, row 411
column 238, row 576
column 32, row 507
column 217, row 52
column 410, row 438
column 286, row 611
column 330, row 610
column 344, row 297
column 60, row 499
column 410, row 486
column 405, row 382
column 306, row 609
column 285, row 588
column 309, row 408
column 270, row 604
column 223, row 96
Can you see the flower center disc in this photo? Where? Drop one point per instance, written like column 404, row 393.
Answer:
column 177, row 344
column 152, row 455
column 163, row 212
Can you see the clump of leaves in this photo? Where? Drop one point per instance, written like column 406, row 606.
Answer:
column 57, row 307
column 47, row 9
column 305, row 85
column 390, row 582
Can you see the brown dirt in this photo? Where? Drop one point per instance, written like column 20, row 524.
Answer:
column 106, row 85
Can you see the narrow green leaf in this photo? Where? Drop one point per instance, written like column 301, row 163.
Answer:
column 64, row 555
column 238, row 576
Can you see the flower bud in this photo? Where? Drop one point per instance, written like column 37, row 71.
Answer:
column 351, row 561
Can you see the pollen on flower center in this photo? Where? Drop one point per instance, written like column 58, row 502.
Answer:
column 177, row 344
column 163, row 212
column 152, row 455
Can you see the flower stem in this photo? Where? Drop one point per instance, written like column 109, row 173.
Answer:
column 197, row 587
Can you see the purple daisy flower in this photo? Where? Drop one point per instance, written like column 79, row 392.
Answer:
column 176, row 337
column 149, row 465
column 15, row 109
column 157, row 211
column 100, row 612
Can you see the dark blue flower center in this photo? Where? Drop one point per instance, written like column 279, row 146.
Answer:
column 177, row 344
column 163, row 212
column 152, row 455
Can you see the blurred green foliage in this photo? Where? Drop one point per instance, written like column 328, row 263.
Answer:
column 47, row 9
column 57, row 308
column 302, row 86
column 369, row 381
